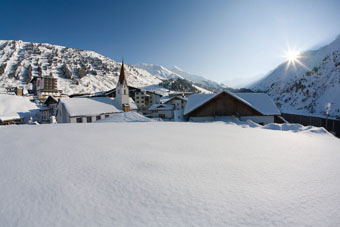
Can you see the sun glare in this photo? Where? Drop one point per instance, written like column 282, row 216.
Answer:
column 292, row 55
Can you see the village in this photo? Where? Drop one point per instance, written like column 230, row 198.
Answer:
column 177, row 106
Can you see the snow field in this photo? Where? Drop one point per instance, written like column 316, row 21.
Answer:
column 167, row 174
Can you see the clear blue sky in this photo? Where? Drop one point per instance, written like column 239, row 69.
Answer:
column 222, row 40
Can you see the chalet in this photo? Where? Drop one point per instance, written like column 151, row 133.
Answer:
column 85, row 110
column 45, row 86
column 257, row 107
column 171, row 109
column 179, row 103
column 164, row 111
column 49, row 109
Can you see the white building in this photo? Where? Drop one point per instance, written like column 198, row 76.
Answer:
column 85, row 110
column 164, row 111
column 179, row 104
column 145, row 99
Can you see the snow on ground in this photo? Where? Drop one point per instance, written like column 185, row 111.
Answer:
column 12, row 106
column 167, row 174
column 272, row 126
column 126, row 117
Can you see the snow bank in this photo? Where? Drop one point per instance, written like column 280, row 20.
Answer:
column 167, row 174
column 295, row 128
column 125, row 117
column 12, row 106
column 272, row 126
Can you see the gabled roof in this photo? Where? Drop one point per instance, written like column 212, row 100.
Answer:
column 177, row 97
column 89, row 106
column 261, row 101
column 132, row 104
column 50, row 99
column 258, row 101
column 161, row 107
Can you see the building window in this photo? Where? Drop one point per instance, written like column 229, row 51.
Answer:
column 106, row 115
column 97, row 118
column 79, row 120
column 89, row 119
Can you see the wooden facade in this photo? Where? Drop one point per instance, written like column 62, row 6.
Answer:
column 224, row 104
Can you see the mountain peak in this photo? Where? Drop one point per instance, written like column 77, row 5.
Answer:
column 177, row 68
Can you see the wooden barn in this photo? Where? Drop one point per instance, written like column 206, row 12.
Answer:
column 257, row 107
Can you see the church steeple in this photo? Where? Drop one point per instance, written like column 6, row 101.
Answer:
column 122, row 90
column 122, row 76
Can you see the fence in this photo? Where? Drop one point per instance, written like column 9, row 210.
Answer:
column 329, row 124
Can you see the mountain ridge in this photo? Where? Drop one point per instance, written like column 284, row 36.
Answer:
column 176, row 72
column 311, row 89
column 78, row 71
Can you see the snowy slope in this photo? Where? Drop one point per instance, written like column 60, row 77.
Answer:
column 307, row 90
column 157, row 70
column 310, row 59
column 175, row 72
column 77, row 70
column 199, row 80
column 145, row 174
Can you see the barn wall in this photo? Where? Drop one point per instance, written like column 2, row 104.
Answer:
column 224, row 105
column 201, row 119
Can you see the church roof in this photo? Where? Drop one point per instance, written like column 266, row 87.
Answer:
column 122, row 76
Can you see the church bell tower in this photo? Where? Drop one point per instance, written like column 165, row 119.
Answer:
column 122, row 90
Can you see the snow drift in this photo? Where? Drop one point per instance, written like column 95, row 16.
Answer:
column 167, row 174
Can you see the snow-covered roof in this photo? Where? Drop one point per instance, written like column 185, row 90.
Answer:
column 261, row 102
column 258, row 101
column 195, row 101
column 89, row 106
column 13, row 116
column 13, row 107
column 125, row 117
column 176, row 97
column 161, row 107
column 132, row 104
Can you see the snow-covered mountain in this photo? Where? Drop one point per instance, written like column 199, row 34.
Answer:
column 158, row 70
column 175, row 72
column 77, row 70
column 312, row 88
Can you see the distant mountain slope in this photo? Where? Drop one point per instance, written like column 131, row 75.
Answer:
column 309, row 59
column 175, row 72
column 314, row 89
column 77, row 70
column 157, row 70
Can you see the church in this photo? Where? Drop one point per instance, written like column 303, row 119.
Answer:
column 87, row 109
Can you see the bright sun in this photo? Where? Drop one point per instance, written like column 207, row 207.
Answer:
column 292, row 55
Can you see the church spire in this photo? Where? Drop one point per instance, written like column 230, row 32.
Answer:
column 122, row 76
